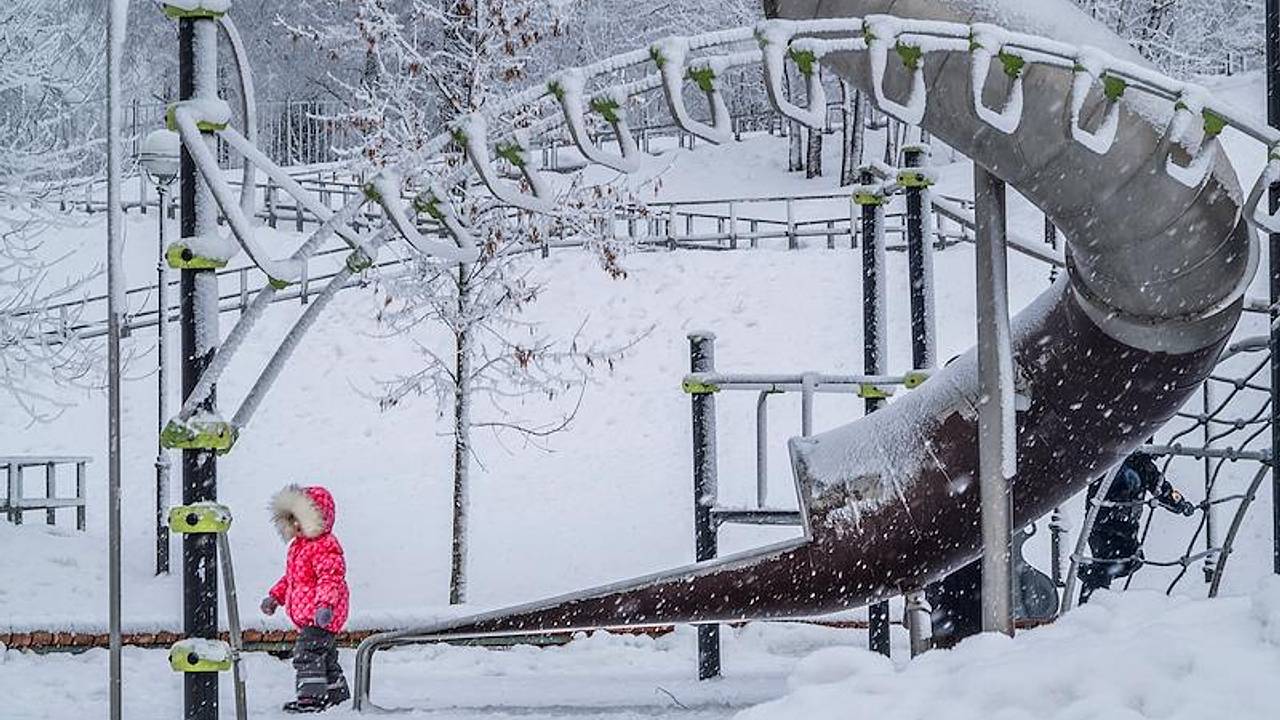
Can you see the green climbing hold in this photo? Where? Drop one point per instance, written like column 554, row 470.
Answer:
column 1013, row 64
column 805, row 60
column 182, row 257
column 705, row 77
column 512, row 152
column 914, row 178
column 212, row 435
column 431, row 207
column 199, row 518
column 171, row 121
column 359, row 261
column 1214, row 123
column 656, row 55
column 914, row 379
column 868, row 199
column 1114, row 87
column 198, row 655
column 199, row 12
column 911, row 55
column 693, row 386
column 608, row 108
column 869, row 391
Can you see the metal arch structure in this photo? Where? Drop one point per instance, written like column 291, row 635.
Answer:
column 1106, row 356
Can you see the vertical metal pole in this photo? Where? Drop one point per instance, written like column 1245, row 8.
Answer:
column 20, row 493
column 80, row 509
column 198, row 79
column 117, row 14
column 762, row 449
column 1057, row 530
column 920, row 270
column 874, row 334
column 807, row 383
column 1273, row 117
column 793, row 242
column 923, row 334
column 702, row 359
column 11, row 477
column 162, row 395
column 1210, row 511
column 996, row 431
column 50, row 492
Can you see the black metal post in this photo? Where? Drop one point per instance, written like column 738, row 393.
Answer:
column 199, row 468
column 1273, row 117
column 918, row 257
column 702, row 359
column 873, row 338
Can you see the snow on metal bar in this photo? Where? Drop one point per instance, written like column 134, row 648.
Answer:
column 671, row 55
column 821, row 383
column 472, row 133
column 1255, row 209
column 775, row 46
column 250, row 316
column 1188, row 111
column 254, row 156
column 275, row 365
column 1091, row 68
column 990, row 42
column 568, row 88
column 882, row 35
column 193, row 140
column 434, row 203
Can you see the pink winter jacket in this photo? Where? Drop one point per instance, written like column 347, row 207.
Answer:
column 315, row 572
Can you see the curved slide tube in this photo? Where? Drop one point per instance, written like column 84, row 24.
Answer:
column 1107, row 355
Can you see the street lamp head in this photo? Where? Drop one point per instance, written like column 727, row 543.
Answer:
column 159, row 156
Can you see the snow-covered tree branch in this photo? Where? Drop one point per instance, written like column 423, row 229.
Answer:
column 50, row 54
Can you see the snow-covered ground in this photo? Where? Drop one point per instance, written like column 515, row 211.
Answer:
column 610, row 499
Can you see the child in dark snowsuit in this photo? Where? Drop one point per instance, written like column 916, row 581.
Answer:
column 313, row 592
column 1114, row 542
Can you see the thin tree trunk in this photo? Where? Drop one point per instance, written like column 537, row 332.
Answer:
column 854, row 134
column 813, row 163
column 461, row 448
column 795, row 137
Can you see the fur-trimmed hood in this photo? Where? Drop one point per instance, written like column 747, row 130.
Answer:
column 312, row 507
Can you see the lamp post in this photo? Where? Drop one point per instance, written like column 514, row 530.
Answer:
column 160, row 160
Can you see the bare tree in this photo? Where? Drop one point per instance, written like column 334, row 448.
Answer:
column 434, row 63
column 49, row 64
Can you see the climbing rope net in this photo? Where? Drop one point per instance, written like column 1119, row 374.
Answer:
column 499, row 138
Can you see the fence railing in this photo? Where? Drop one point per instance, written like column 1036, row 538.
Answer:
column 722, row 224
column 16, row 503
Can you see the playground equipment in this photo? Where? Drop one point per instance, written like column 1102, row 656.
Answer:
column 888, row 503
column 1104, row 358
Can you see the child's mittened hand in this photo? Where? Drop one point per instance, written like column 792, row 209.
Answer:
column 269, row 605
column 324, row 616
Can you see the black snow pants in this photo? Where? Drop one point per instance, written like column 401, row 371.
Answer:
column 315, row 658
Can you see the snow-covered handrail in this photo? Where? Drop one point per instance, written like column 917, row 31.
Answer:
column 472, row 133
column 192, row 139
column 672, row 58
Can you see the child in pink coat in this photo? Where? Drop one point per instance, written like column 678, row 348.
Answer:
column 313, row 592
